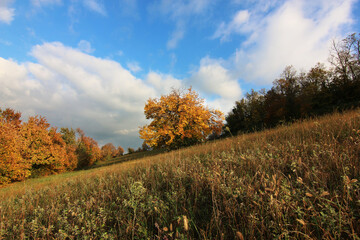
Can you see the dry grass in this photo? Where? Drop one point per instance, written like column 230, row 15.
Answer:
column 294, row 182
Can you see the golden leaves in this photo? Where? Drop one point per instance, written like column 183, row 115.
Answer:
column 179, row 119
column 32, row 146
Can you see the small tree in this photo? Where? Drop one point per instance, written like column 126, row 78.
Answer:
column 179, row 119
column 119, row 151
column 88, row 151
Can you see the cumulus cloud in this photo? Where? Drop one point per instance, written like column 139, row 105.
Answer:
column 103, row 80
column 217, row 83
column 213, row 78
column 6, row 13
column 71, row 88
column 95, row 6
column 15, row 81
column 295, row 33
column 163, row 83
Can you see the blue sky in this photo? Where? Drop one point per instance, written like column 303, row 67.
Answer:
column 93, row 63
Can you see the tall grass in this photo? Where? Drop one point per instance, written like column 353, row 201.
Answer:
column 293, row 182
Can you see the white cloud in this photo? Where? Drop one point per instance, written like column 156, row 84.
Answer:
column 134, row 66
column 162, row 83
column 96, row 6
column 296, row 33
column 6, row 13
column 103, row 80
column 217, row 83
column 14, row 80
column 73, row 89
column 236, row 25
column 85, row 46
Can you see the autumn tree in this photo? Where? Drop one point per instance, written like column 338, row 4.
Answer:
column 179, row 119
column 108, row 151
column 119, row 151
column 34, row 148
column 12, row 166
column 43, row 147
column 88, row 151
column 10, row 116
column 69, row 137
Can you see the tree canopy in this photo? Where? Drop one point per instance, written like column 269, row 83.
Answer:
column 296, row 95
column 34, row 148
column 179, row 119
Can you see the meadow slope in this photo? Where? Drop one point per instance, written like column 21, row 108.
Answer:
column 299, row 181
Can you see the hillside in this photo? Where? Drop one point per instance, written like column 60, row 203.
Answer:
column 293, row 182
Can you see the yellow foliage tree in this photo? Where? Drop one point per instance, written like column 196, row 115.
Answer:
column 119, row 151
column 12, row 166
column 88, row 151
column 179, row 119
column 43, row 147
column 108, row 151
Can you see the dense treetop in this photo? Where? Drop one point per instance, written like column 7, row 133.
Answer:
column 298, row 95
column 179, row 119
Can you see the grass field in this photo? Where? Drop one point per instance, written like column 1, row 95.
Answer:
column 294, row 182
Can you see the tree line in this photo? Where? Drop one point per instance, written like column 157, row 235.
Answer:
column 181, row 118
column 296, row 95
column 34, row 148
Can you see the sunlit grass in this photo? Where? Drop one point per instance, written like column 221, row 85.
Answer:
column 293, row 182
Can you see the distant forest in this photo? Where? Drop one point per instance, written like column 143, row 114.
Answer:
column 301, row 95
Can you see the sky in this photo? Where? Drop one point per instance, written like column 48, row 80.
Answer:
column 93, row 64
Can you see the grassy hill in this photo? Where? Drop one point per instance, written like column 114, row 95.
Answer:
column 293, row 182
